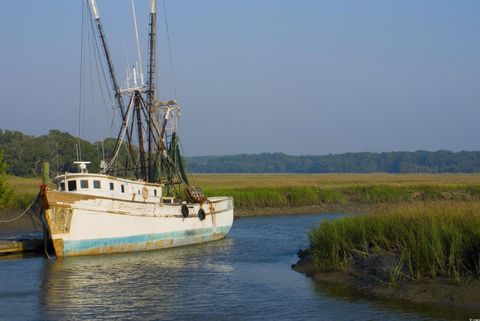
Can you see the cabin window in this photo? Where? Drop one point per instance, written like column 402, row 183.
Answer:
column 122, row 188
column 96, row 184
column 72, row 185
column 111, row 186
column 62, row 186
column 83, row 184
column 155, row 192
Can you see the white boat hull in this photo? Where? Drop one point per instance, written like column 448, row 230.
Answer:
column 86, row 225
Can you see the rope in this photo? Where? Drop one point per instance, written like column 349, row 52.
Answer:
column 80, row 103
column 16, row 218
column 43, row 223
column 122, row 137
column 172, row 69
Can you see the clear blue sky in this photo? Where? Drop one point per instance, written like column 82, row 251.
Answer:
column 299, row 77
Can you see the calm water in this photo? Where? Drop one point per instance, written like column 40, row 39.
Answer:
column 246, row 276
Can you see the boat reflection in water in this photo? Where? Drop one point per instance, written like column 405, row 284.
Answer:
column 136, row 285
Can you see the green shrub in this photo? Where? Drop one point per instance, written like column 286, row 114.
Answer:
column 6, row 192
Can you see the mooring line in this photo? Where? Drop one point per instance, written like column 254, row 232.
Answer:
column 16, row 218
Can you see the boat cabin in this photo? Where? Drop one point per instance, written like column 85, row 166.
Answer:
column 110, row 187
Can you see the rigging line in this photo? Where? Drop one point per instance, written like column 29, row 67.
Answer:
column 101, row 85
column 91, row 56
column 121, row 137
column 103, row 151
column 155, row 127
column 104, row 74
column 185, row 162
column 172, row 69
column 92, row 94
column 138, row 44
column 124, row 130
column 102, row 94
column 119, row 142
column 126, row 84
column 79, row 152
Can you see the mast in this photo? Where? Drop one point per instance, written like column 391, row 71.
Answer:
column 141, row 149
column 111, row 69
column 151, row 81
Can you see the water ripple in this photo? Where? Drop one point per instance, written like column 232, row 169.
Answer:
column 246, row 276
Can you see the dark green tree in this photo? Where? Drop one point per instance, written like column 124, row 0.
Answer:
column 6, row 192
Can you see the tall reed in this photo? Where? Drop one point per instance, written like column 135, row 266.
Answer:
column 430, row 238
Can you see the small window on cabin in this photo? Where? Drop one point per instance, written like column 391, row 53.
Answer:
column 72, row 185
column 96, row 184
column 111, row 186
column 123, row 188
column 62, row 186
column 83, row 184
column 155, row 192
column 138, row 192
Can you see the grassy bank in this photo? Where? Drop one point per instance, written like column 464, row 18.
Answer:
column 428, row 239
column 295, row 196
column 289, row 191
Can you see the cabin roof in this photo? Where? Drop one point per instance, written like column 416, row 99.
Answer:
column 93, row 175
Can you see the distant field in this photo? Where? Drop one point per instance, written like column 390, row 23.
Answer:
column 24, row 185
column 226, row 181
column 234, row 181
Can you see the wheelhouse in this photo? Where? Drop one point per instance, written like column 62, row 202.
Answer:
column 109, row 186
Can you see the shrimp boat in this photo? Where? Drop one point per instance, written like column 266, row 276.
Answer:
column 144, row 201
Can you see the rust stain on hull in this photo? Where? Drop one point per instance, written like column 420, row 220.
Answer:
column 59, row 219
column 58, row 245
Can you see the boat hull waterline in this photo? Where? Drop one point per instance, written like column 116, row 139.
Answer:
column 85, row 225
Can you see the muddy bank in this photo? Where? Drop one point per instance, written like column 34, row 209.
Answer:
column 372, row 275
column 29, row 222
column 313, row 209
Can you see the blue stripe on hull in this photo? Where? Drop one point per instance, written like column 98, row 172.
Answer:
column 144, row 242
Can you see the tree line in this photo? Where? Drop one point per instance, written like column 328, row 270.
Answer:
column 387, row 162
column 24, row 155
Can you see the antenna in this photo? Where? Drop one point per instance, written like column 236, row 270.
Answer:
column 82, row 166
column 138, row 44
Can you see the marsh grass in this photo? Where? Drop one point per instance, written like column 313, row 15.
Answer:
column 295, row 190
column 295, row 196
column 292, row 190
column 258, row 197
column 431, row 239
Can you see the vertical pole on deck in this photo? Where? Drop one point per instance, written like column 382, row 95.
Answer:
column 45, row 173
column 45, row 181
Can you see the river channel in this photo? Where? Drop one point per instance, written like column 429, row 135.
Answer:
column 246, row 276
